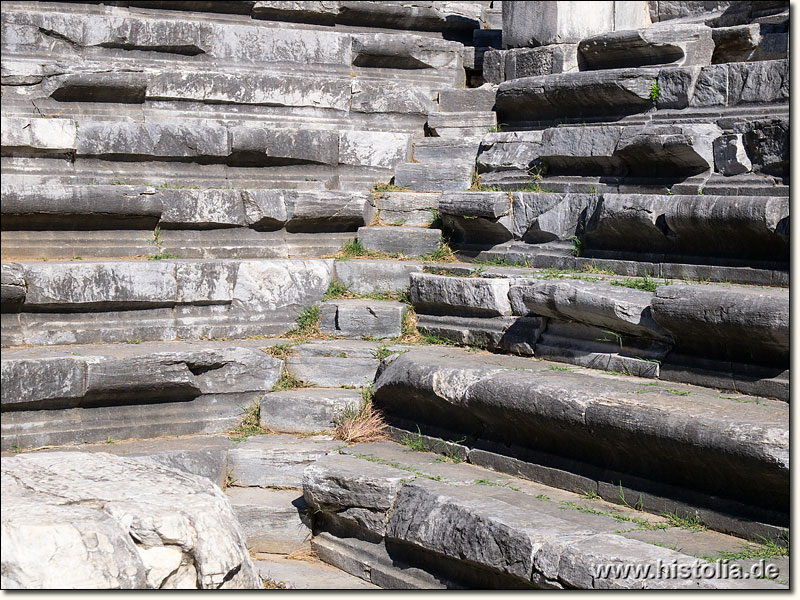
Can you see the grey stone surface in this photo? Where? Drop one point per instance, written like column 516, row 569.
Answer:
column 309, row 575
column 408, row 241
column 434, row 176
column 307, row 211
column 260, row 145
column 273, row 521
column 460, row 296
column 461, row 124
column 12, row 284
column 714, row 321
column 753, row 227
column 358, row 491
column 433, row 149
column 526, row 24
column 133, row 524
column 494, row 66
column 175, row 299
column 355, row 318
column 544, row 60
column 679, row 45
column 155, row 389
column 335, row 370
column 595, row 418
column 276, row 460
column 467, row 100
column 545, row 217
column 516, row 335
column 33, row 135
column 368, row 276
column 309, row 410
column 620, row 309
column 753, row 41
column 730, row 156
column 406, row 208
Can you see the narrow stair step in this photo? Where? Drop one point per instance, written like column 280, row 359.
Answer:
column 356, row 318
column 408, row 241
column 307, row 410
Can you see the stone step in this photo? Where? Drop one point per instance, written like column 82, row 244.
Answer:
column 725, row 230
column 205, row 455
column 235, row 243
column 434, row 176
column 79, row 302
column 408, row 241
column 657, row 155
column 60, row 207
column 383, row 500
column 276, row 461
column 679, row 45
column 274, row 521
column 584, row 429
column 461, row 124
column 88, row 394
column 311, row 410
column 629, row 330
column 754, row 41
column 368, row 276
column 306, row 574
column 356, row 318
column 628, row 91
column 406, row 208
column 439, row 150
column 471, row 100
column 223, row 42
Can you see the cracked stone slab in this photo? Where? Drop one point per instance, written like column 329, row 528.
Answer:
column 309, row 410
column 132, row 524
column 356, row 318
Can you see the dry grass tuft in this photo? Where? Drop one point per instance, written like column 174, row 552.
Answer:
column 309, row 554
column 362, row 424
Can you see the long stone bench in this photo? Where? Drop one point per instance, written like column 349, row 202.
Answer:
column 123, row 301
column 607, row 428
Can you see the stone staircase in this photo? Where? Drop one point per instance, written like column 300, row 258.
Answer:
column 565, row 287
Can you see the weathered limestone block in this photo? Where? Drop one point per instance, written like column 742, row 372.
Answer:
column 542, row 218
column 409, row 241
column 767, row 144
column 721, row 322
column 730, row 156
column 494, row 66
column 269, row 146
column 273, row 521
column 540, row 24
column 517, row 335
column 620, row 309
column 389, row 97
column 732, row 84
column 753, row 41
column 596, row 419
column 368, row 276
column 262, row 89
column 265, row 286
column 589, row 93
column 434, row 177
column 406, row 208
column 202, row 208
column 741, row 226
column 334, row 370
column 462, row 296
column 276, row 460
column 467, row 100
column 116, row 86
column 314, row 12
column 306, row 410
column 679, row 45
column 444, row 149
column 361, row 318
column 478, row 217
column 665, row 10
column 132, row 524
column 57, row 379
column 354, row 489
column 374, row 148
column 38, row 136
column 12, row 284
column 544, row 60
column 114, row 284
column 203, row 139
column 420, row 16
column 461, row 124
column 405, row 52
column 58, row 206
column 675, row 149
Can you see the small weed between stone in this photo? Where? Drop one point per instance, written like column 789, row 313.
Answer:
column 418, row 444
column 250, row 425
column 337, row 290
column 765, row 550
column 617, row 337
column 677, row 392
column 307, row 323
column 495, row 484
column 397, row 465
column 134, row 341
column 554, row 368
column 639, row 283
column 691, row 523
column 655, row 91
column 621, row 495
column 288, row 381
column 382, row 188
column 230, row 480
column 271, row 584
column 590, row 495
column 643, row 524
column 544, row 497
column 280, row 351
column 109, row 440
column 577, row 245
